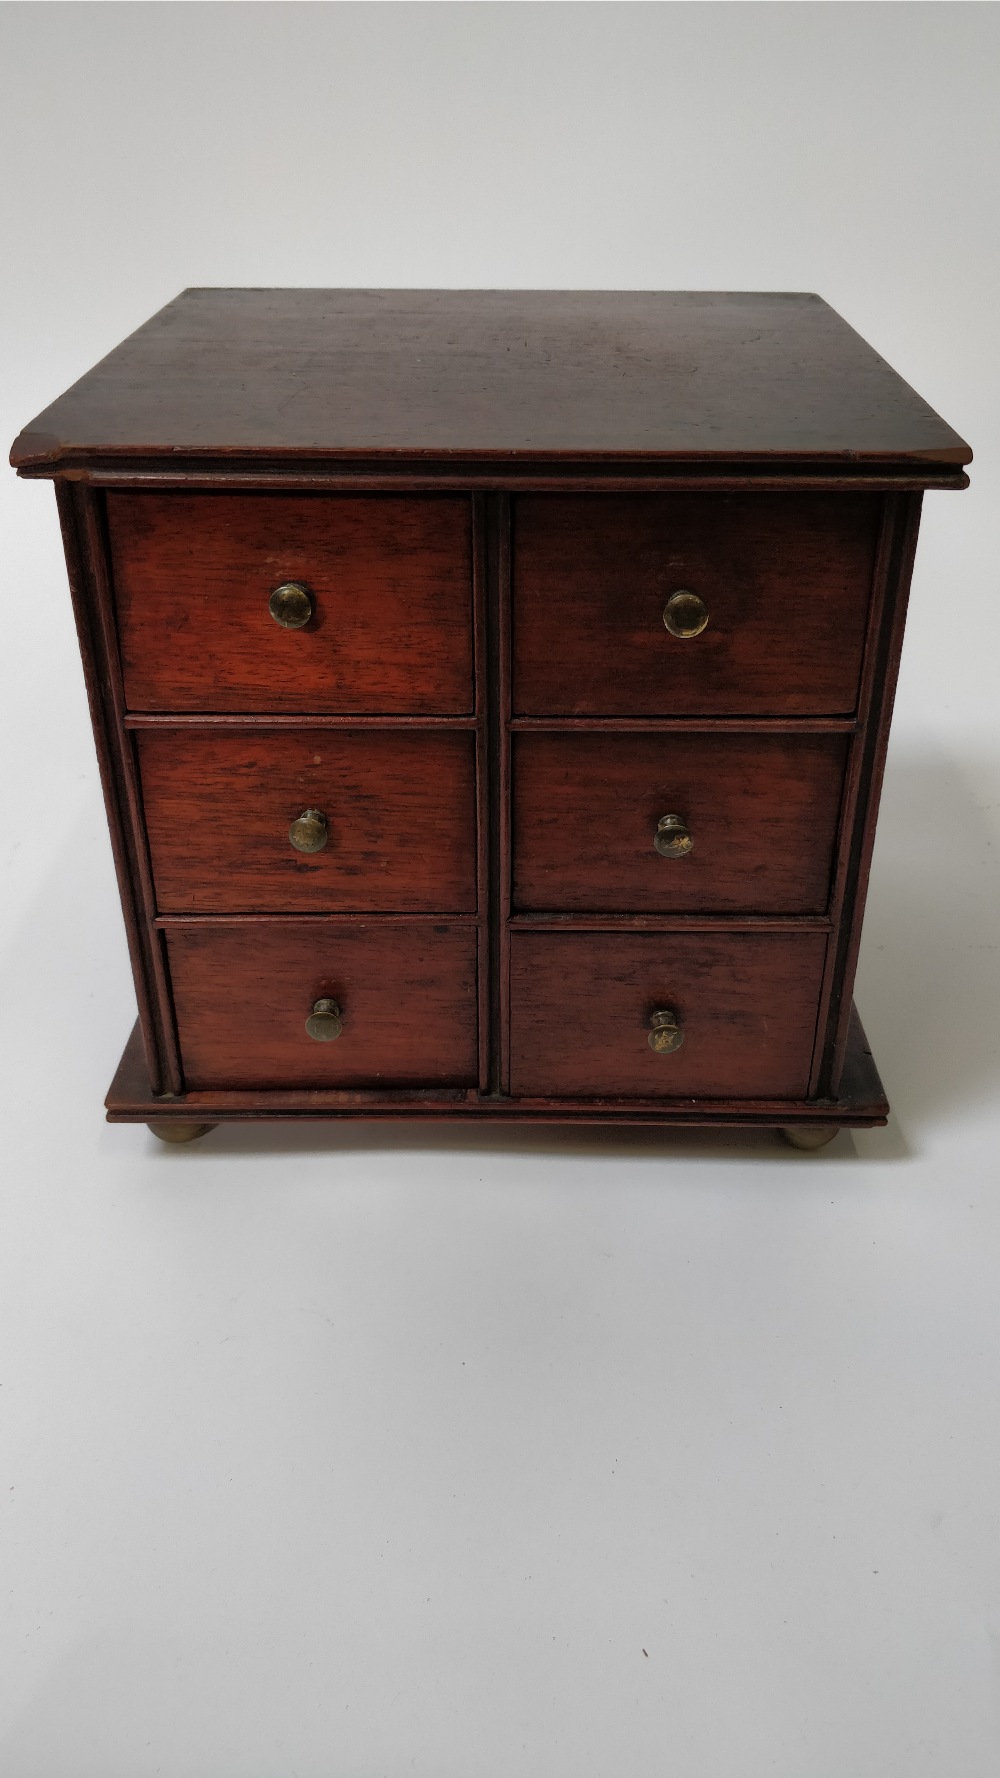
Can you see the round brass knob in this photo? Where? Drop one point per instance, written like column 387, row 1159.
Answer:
column 672, row 838
column 685, row 615
column 665, row 1034
column 324, row 1022
column 309, row 831
column 291, row 605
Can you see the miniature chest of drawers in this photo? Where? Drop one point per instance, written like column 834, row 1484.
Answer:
column 491, row 692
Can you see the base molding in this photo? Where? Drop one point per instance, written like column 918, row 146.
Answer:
column 861, row 1103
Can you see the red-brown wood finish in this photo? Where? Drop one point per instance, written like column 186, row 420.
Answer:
column 860, row 1102
column 484, row 818
column 491, row 496
column 391, row 581
column 503, row 878
column 162, row 1071
column 786, row 579
column 884, row 651
column 581, row 1003
column 282, row 377
column 407, row 996
column 161, row 1033
column 761, row 811
column 400, row 810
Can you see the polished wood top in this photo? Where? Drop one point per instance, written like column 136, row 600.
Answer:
column 513, row 376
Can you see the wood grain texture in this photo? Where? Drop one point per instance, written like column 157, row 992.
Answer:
column 400, row 807
column 391, row 579
column 484, row 819
column 491, row 496
column 861, row 1102
column 786, row 579
column 885, row 651
column 762, row 811
column 580, row 1006
column 407, row 997
column 485, row 475
column 502, row 889
column 89, row 506
column 510, row 374
column 110, row 743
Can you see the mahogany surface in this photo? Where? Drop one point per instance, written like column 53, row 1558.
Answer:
column 786, row 579
column 392, row 581
column 400, row 804
column 407, row 996
column 762, row 811
column 508, row 373
column 861, row 1102
column 580, row 1006
column 490, row 497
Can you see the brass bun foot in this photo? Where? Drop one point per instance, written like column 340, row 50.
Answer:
column 178, row 1132
column 809, row 1136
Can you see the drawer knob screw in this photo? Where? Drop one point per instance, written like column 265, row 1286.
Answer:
column 665, row 1033
column 309, row 831
column 324, row 1022
column 685, row 615
column 291, row 605
column 672, row 838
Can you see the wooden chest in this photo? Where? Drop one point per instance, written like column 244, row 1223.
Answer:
column 491, row 692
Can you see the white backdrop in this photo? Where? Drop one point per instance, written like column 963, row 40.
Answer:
column 481, row 1455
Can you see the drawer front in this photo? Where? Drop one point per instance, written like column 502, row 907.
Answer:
column 398, row 815
column 406, row 994
column 582, row 1004
column 389, row 579
column 759, row 813
column 785, row 580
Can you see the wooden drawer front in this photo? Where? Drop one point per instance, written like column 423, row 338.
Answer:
column 581, row 1004
column 400, row 809
column 407, row 995
column 390, row 578
column 785, row 577
column 761, row 811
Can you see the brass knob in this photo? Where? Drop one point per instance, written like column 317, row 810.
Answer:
column 309, row 831
column 685, row 615
column 672, row 838
column 324, row 1022
column 665, row 1034
column 291, row 605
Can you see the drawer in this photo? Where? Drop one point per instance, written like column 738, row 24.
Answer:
column 406, row 993
column 397, row 832
column 581, row 1005
column 785, row 580
column 760, row 813
column 389, row 580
